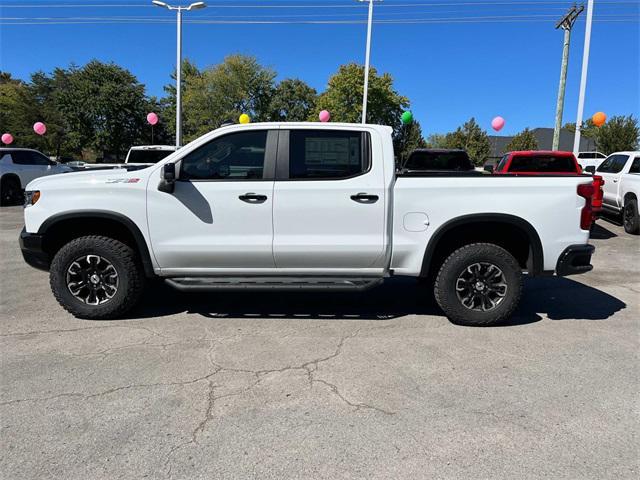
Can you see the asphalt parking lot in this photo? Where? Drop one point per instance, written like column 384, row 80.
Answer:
column 306, row 385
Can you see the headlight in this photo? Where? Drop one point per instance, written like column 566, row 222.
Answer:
column 31, row 197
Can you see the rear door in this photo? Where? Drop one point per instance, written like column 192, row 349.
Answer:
column 329, row 202
column 610, row 171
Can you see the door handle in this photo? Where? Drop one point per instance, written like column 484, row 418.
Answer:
column 253, row 198
column 364, row 198
column 615, row 180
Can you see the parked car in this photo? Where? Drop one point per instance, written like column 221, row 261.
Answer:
column 438, row 160
column 302, row 206
column 137, row 157
column 534, row 162
column 19, row 166
column 589, row 161
column 621, row 174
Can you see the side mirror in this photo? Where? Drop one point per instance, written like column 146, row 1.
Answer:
column 488, row 168
column 168, row 182
column 590, row 169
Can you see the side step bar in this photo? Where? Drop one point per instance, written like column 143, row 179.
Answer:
column 205, row 284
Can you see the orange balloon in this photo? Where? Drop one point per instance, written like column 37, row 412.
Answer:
column 599, row 119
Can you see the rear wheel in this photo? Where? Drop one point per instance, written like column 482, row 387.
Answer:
column 630, row 217
column 96, row 277
column 479, row 285
column 10, row 191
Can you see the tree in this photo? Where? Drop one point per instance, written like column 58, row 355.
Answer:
column 525, row 140
column 104, row 106
column 343, row 97
column 408, row 139
column 293, row 101
column 472, row 138
column 619, row 134
column 222, row 92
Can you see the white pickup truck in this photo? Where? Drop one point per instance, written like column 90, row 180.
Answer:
column 621, row 175
column 303, row 206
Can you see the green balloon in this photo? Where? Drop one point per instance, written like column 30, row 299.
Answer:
column 407, row 117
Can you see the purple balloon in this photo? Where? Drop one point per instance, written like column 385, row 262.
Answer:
column 40, row 128
column 152, row 118
column 497, row 123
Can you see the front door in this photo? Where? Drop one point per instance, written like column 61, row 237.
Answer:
column 329, row 203
column 610, row 171
column 219, row 219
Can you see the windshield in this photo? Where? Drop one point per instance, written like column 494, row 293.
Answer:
column 147, row 156
column 542, row 163
column 426, row 160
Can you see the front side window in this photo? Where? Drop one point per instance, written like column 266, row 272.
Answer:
column 500, row 166
column 613, row 164
column 635, row 166
column 26, row 157
column 319, row 154
column 236, row 156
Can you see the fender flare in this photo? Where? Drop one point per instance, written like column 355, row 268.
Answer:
column 125, row 221
column 536, row 253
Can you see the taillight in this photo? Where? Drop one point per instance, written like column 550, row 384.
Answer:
column 596, row 200
column 586, row 191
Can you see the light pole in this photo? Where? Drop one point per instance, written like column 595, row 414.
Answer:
column 566, row 24
column 583, row 77
column 366, row 61
column 179, row 9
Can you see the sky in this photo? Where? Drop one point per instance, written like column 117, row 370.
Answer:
column 453, row 59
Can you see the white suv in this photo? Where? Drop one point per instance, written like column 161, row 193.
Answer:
column 18, row 166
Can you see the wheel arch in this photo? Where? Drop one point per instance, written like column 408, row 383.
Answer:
column 629, row 196
column 11, row 175
column 513, row 233
column 61, row 228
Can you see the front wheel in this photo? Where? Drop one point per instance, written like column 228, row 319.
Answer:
column 630, row 217
column 479, row 285
column 96, row 277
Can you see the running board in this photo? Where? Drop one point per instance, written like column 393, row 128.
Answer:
column 205, row 284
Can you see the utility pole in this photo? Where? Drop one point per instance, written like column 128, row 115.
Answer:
column 583, row 78
column 566, row 24
column 366, row 61
column 179, row 9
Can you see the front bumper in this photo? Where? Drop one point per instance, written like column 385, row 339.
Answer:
column 32, row 252
column 575, row 259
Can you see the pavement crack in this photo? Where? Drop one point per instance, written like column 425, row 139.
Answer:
column 355, row 405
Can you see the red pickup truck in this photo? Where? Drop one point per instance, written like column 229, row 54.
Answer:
column 538, row 162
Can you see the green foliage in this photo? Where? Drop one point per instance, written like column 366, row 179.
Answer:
column 525, row 140
column 408, row 139
column 223, row 92
column 293, row 101
column 343, row 98
column 620, row 133
column 469, row 137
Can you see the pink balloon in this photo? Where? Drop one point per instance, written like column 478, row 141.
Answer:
column 324, row 116
column 152, row 118
column 7, row 138
column 497, row 123
column 40, row 128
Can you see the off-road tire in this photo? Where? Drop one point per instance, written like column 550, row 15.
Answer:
column 457, row 263
column 630, row 217
column 126, row 263
column 10, row 191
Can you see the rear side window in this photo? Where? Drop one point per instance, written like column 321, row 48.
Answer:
column 635, row 166
column 542, row 163
column 147, row 156
column 236, row 156
column 613, row 164
column 425, row 160
column 321, row 154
